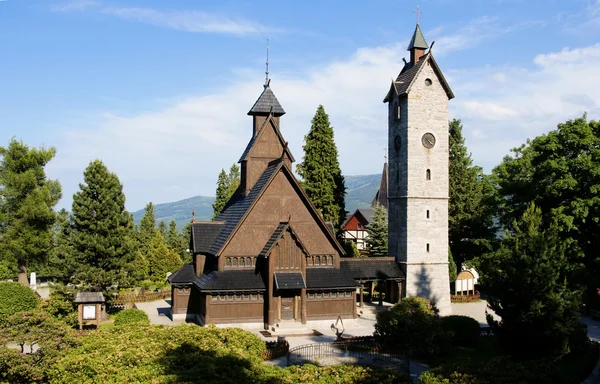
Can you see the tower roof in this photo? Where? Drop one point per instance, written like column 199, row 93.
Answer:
column 267, row 103
column 417, row 40
column 381, row 197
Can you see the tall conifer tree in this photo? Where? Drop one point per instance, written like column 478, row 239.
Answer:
column 470, row 214
column 377, row 242
column 101, row 233
column 27, row 200
column 227, row 184
column 147, row 227
column 320, row 170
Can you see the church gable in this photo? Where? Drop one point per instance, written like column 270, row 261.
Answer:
column 269, row 143
column 281, row 201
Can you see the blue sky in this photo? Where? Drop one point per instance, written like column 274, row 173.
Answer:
column 159, row 90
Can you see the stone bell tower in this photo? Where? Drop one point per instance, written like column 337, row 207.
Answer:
column 418, row 174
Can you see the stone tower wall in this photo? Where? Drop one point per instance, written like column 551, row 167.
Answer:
column 419, row 242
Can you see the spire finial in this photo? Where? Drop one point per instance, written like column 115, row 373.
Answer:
column 385, row 151
column 418, row 12
column 267, row 63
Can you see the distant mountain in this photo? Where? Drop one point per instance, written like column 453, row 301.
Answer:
column 181, row 211
column 360, row 191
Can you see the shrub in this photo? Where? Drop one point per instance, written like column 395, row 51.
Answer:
column 413, row 327
column 15, row 297
column 131, row 316
column 465, row 330
column 61, row 305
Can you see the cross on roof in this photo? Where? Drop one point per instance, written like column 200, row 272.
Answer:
column 417, row 12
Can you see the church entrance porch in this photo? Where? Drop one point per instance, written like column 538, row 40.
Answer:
column 288, row 308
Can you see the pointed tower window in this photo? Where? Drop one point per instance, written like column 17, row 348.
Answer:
column 428, row 174
column 428, row 213
column 427, row 247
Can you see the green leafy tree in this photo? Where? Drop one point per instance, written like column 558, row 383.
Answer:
column 525, row 282
column 471, row 229
column 161, row 259
column 185, row 236
column 27, row 199
column 320, row 171
column 350, row 248
column 413, row 327
column 377, row 230
column 560, row 172
column 101, row 233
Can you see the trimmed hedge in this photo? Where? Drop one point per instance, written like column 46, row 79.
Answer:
column 465, row 330
column 131, row 316
column 15, row 297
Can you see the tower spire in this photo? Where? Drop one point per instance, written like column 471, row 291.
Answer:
column 267, row 63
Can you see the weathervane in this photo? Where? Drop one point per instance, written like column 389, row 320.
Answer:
column 417, row 12
column 267, row 71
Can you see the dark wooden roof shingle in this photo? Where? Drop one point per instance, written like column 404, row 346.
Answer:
column 204, row 234
column 273, row 239
column 184, row 275
column 289, row 280
column 231, row 280
column 267, row 103
column 317, row 278
column 374, row 268
column 408, row 74
column 89, row 297
column 238, row 206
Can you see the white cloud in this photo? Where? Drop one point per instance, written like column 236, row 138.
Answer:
column 75, row 5
column 188, row 21
column 177, row 151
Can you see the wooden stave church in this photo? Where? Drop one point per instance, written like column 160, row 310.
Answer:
column 269, row 257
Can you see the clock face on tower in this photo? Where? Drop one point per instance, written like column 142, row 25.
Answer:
column 428, row 140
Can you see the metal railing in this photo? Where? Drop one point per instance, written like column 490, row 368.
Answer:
column 347, row 352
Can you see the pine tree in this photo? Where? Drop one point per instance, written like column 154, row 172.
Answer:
column 27, row 200
column 222, row 194
column 320, row 170
column 526, row 284
column 377, row 242
column 161, row 259
column 173, row 238
column 227, row 184
column 470, row 213
column 162, row 228
column 185, row 236
column 101, row 234
column 233, row 179
column 147, row 227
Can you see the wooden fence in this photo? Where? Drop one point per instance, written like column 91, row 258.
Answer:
column 465, row 298
column 126, row 300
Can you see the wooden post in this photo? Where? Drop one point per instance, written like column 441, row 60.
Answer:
column 303, row 305
column 381, row 296
column 362, row 288
column 80, row 316
column 270, row 299
column 354, row 312
column 399, row 291
column 371, row 286
column 207, row 301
